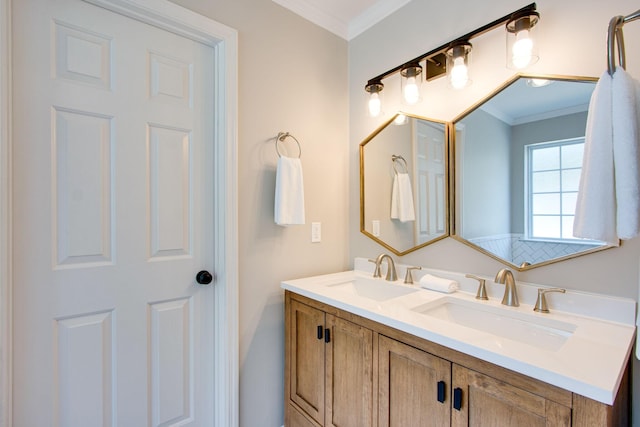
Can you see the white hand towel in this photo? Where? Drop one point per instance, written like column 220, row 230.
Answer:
column 626, row 155
column 395, row 209
column 289, row 200
column 402, row 198
column 595, row 216
column 429, row 281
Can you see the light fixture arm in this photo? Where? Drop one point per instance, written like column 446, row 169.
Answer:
column 432, row 54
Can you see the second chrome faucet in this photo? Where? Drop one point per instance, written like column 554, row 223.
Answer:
column 391, row 267
column 505, row 277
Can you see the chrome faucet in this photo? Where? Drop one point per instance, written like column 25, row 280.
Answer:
column 481, row 293
column 541, row 303
column 505, row 277
column 391, row 268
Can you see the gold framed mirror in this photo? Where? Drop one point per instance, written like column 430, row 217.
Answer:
column 516, row 161
column 404, row 202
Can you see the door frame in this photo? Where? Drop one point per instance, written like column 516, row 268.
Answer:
column 224, row 42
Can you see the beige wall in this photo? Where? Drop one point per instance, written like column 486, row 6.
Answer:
column 572, row 42
column 292, row 77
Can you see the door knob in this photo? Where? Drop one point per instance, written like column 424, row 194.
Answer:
column 204, row 277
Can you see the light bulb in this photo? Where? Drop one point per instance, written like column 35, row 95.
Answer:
column 400, row 119
column 411, row 91
column 538, row 82
column 459, row 73
column 374, row 105
column 522, row 51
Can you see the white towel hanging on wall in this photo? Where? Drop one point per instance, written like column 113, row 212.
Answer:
column 289, row 194
column 626, row 158
column 289, row 200
column 608, row 205
column 595, row 216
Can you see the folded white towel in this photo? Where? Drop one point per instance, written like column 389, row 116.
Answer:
column 289, row 200
column 402, row 198
column 429, row 281
column 626, row 154
column 595, row 216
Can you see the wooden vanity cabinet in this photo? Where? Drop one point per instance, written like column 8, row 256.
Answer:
column 369, row 374
column 329, row 369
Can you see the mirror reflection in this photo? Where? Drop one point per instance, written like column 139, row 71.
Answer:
column 518, row 157
column 403, row 183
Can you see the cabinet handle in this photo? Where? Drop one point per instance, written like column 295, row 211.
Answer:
column 457, row 398
column 319, row 332
column 441, row 391
column 327, row 335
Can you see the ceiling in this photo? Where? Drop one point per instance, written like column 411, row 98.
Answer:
column 520, row 103
column 345, row 18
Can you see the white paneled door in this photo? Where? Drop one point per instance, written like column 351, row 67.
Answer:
column 113, row 218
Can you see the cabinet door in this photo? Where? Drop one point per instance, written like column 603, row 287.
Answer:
column 488, row 402
column 413, row 386
column 307, row 359
column 294, row 417
column 349, row 374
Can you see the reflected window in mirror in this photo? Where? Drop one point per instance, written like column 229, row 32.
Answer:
column 403, row 183
column 518, row 156
column 553, row 177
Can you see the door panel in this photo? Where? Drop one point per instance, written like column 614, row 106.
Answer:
column 408, row 386
column 85, row 364
column 170, row 191
column 349, row 379
column 170, row 364
column 113, row 208
column 490, row 402
column 82, row 188
column 307, row 360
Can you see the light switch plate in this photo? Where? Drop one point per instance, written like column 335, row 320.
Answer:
column 316, row 232
column 376, row 227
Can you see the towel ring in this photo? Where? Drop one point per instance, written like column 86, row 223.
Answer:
column 281, row 137
column 401, row 161
column 615, row 36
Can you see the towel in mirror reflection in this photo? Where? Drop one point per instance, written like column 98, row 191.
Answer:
column 402, row 198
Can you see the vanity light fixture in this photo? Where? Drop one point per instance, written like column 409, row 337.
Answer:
column 374, row 89
column 411, row 82
column 453, row 59
column 522, row 49
column 458, row 58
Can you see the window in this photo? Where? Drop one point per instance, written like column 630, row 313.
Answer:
column 552, row 180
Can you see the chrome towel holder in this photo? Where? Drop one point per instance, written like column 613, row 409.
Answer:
column 398, row 160
column 284, row 135
column 614, row 34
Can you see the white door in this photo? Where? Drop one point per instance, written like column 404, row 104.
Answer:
column 113, row 219
column 430, row 180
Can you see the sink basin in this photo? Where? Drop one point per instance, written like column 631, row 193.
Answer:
column 374, row 289
column 548, row 334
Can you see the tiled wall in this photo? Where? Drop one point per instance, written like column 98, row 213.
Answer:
column 513, row 247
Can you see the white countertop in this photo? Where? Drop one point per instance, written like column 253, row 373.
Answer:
column 590, row 362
